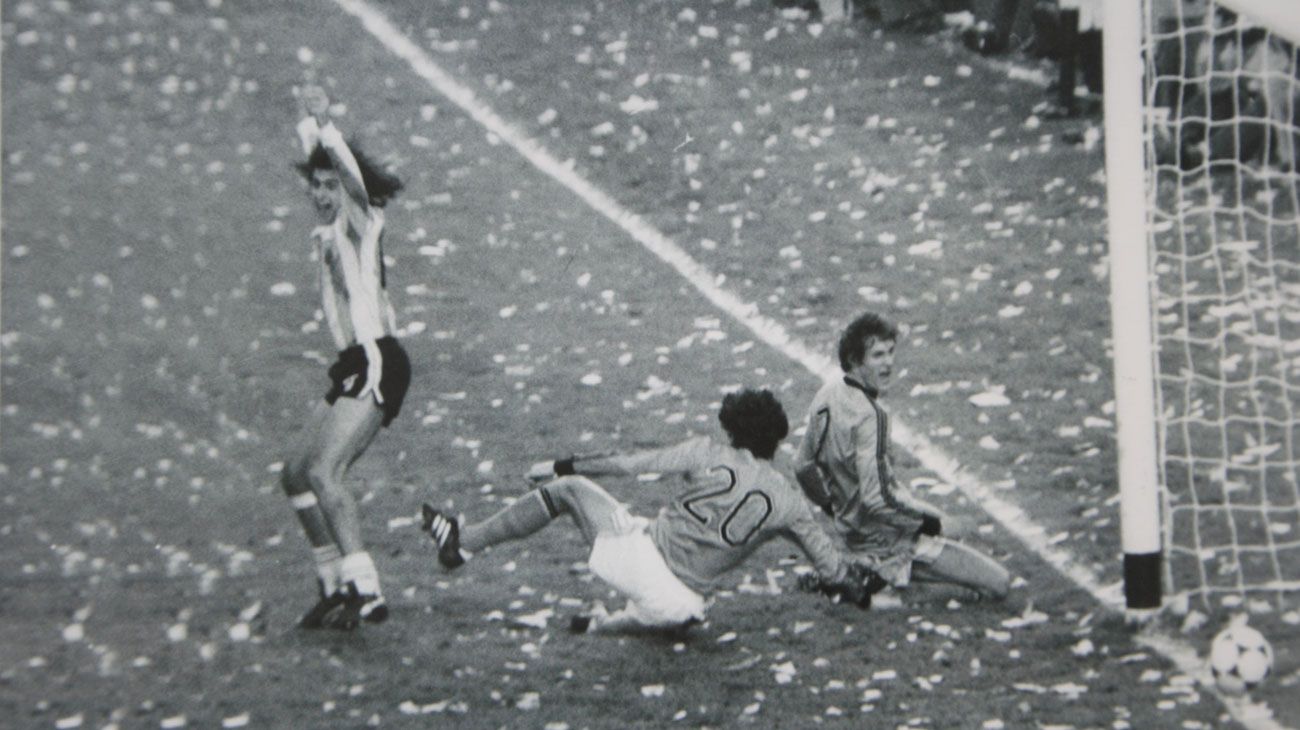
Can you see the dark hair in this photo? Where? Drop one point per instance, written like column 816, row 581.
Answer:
column 381, row 185
column 755, row 420
column 853, row 343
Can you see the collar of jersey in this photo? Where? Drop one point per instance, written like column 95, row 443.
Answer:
column 870, row 392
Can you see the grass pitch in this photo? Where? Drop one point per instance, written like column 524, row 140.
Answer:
column 159, row 346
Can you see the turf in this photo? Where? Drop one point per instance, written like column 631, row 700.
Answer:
column 160, row 347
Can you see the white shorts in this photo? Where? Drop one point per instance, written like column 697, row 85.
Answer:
column 628, row 560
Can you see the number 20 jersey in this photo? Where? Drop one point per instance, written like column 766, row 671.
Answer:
column 727, row 504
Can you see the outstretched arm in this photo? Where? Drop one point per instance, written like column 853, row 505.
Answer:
column 826, row 557
column 837, row 574
column 881, row 494
column 671, row 460
column 316, row 105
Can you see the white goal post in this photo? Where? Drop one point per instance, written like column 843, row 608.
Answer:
column 1130, row 306
column 1202, row 101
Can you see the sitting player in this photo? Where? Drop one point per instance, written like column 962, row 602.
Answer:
column 844, row 467
column 730, row 501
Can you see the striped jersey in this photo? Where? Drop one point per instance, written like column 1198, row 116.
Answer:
column 847, row 442
column 350, row 251
column 726, row 504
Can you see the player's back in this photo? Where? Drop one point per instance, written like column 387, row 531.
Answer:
column 831, row 441
column 727, row 504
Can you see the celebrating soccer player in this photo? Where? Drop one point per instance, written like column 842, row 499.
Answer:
column 844, row 466
column 370, row 377
column 730, row 500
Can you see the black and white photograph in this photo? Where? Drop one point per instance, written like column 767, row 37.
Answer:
column 569, row 364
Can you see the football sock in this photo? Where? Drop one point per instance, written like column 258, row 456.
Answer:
column 306, row 506
column 328, row 562
column 529, row 514
column 359, row 570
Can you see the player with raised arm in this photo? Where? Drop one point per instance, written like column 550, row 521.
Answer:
column 729, row 501
column 368, row 381
column 844, row 466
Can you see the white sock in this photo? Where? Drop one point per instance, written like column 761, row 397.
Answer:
column 359, row 569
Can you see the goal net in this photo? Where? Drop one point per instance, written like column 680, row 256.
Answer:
column 1220, row 102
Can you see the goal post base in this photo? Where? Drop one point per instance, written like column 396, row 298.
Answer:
column 1142, row 581
column 1140, row 619
column 1203, row 229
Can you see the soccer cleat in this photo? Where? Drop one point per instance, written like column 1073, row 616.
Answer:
column 589, row 622
column 374, row 610
column 358, row 607
column 315, row 618
column 446, row 532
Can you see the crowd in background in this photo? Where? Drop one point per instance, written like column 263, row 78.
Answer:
column 1215, row 66
column 1209, row 65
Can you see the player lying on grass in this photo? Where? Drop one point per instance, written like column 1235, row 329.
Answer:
column 844, row 467
column 729, row 501
column 369, row 379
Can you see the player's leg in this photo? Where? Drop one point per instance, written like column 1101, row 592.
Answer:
column 349, row 427
column 1067, row 64
column 623, row 555
column 306, row 505
column 626, row 557
column 592, row 508
column 631, row 619
column 939, row 560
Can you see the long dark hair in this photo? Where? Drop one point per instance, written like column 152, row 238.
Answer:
column 381, row 185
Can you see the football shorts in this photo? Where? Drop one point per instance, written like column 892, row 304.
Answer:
column 348, row 375
column 628, row 560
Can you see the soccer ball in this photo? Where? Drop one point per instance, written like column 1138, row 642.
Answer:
column 1240, row 658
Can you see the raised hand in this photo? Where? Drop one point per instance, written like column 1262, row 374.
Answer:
column 315, row 101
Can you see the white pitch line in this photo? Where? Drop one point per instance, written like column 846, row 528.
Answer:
column 1011, row 517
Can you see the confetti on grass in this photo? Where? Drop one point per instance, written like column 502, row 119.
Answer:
column 756, row 153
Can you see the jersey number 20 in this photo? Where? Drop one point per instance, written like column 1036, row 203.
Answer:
column 738, row 517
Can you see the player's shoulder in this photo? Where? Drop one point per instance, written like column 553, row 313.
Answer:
column 847, row 403
column 697, row 449
column 699, row 443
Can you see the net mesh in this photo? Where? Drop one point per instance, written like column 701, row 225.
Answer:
column 1221, row 102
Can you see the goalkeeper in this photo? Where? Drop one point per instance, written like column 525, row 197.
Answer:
column 728, row 502
column 844, row 467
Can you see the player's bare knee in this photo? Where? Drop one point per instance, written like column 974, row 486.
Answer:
column 333, row 498
column 324, row 481
column 1000, row 586
column 567, row 490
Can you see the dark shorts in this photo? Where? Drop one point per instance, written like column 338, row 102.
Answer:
column 348, row 375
